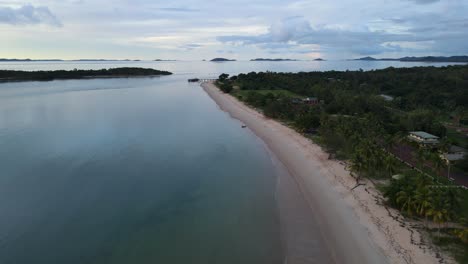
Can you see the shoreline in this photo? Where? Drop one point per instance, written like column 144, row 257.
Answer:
column 354, row 225
column 9, row 80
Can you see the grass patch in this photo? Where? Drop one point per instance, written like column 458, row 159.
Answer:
column 287, row 93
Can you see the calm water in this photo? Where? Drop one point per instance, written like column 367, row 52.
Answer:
column 143, row 170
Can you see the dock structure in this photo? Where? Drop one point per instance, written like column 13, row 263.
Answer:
column 203, row 80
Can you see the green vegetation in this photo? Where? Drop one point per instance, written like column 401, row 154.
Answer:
column 418, row 195
column 7, row 75
column 365, row 117
column 276, row 93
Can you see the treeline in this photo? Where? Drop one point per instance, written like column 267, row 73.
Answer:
column 10, row 75
column 413, row 88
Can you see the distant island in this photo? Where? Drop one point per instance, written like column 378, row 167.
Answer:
column 262, row 59
column 221, row 59
column 23, row 60
column 125, row 72
column 420, row 59
column 319, row 59
column 163, row 60
column 31, row 60
column 100, row 60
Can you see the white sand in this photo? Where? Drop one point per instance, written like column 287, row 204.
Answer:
column 354, row 226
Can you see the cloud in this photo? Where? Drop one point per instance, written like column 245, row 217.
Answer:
column 250, row 28
column 28, row 15
column 226, row 51
column 178, row 9
column 296, row 32
column 424, row 2
column 190, row 46
column 285, row 48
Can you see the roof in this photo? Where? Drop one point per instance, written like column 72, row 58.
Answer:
column 424, row 135
column 454, row 148
column 386, row 97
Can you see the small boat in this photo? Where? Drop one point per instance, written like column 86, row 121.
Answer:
column 244, row 126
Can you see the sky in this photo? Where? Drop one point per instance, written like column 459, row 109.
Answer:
column 242, row 29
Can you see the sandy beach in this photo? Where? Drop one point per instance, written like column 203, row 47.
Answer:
column 348, row 226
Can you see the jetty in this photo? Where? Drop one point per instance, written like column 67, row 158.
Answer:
column 202, row 80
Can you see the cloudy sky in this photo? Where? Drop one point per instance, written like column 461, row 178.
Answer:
column 242, row 29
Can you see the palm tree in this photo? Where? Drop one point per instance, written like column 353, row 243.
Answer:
column 422, row 157
column 423, row 202
column 423, row 180
column 439, row 216
column 463, row 235
column 451, row 200
column 406, row 202
column 439, row 212
column 437, row 161
column 358, row 166
column 390, row 164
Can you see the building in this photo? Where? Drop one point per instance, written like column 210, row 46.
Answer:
column 387, row 98
column 423, row 138
column 296, row 100
column 311, row 101
column 454, row 153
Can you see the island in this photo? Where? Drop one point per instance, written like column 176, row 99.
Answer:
column 98, row 60
column 26, row 60
column 319, row 59
column 368, row 58
column 221, row 60
column 124, row 72
column 262, row 59
column 59, row 60
column 420, row 59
